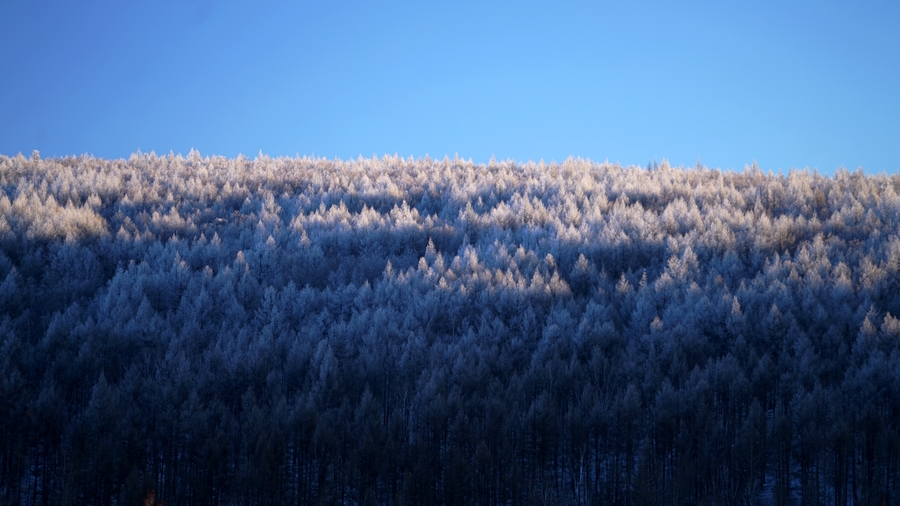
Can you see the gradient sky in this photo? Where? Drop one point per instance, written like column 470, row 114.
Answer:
column 787, row 84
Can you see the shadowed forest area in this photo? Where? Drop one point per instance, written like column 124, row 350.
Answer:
column 399, row 331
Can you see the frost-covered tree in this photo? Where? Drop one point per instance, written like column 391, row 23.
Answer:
column 396, row 330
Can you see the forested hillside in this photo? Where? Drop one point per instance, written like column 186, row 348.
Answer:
column 399, row 331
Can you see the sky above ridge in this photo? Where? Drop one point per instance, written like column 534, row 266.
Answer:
column 785, row 84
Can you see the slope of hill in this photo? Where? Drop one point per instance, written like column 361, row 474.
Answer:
column 400, row 331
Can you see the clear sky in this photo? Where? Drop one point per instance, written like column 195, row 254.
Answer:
column 785, row 83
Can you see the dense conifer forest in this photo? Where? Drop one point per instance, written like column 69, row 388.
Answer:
column 204, row 330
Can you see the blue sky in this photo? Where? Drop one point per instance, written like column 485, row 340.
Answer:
column 788, row 84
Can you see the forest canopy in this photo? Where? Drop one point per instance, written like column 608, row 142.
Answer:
column 209, row 330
